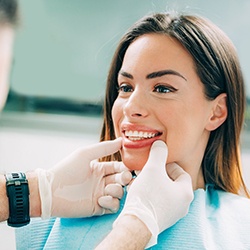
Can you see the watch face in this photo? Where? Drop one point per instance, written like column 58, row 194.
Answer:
column 18, row 195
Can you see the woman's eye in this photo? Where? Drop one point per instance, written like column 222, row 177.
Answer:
column 163, row 89
column 124, row 88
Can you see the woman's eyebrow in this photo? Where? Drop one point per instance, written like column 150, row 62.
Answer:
column 164, row 72
column 154, row 74
column 125, row 74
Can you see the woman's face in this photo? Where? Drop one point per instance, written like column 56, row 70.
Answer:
column 161, row 98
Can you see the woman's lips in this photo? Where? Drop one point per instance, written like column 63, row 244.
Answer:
column 135, row 136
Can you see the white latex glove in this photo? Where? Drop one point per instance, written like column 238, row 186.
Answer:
column 80, row 187
column 159, row 199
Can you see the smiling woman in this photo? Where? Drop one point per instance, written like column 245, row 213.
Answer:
column 194, row 101
column 174, row 78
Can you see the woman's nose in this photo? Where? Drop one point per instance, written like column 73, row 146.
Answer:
column 136, row 105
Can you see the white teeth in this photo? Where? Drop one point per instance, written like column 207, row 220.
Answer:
column 135, row 135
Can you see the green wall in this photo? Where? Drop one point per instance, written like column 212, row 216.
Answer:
column 63, row 47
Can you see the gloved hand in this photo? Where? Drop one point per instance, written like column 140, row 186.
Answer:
column 159, row 198
column 80, row 187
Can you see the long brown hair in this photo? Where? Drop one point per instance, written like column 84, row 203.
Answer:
column 218, row 68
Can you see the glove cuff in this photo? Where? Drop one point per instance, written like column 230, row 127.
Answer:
column 44, row 184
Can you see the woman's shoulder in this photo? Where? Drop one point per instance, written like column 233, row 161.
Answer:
column 215, row 219
column 228, row 202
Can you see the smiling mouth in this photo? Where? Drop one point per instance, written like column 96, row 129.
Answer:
column 140, row 135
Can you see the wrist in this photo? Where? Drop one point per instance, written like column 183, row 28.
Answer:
column 126, row 221
column 132, row 226
column 128, row 232
column 137, row 209
column 35, row 202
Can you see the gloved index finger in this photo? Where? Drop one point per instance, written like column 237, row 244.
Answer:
column 112, row 167
column 103, row 149
column 177, row 174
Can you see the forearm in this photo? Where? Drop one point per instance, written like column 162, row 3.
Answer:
column 129, row 233
column 4, row 205
column 34, row 197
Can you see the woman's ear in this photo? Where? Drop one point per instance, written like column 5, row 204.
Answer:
column 218, row 112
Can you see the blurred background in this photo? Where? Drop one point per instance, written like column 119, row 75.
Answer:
column 61, row 58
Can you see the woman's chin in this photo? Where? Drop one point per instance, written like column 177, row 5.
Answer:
column 134, row 159
column 134, row 164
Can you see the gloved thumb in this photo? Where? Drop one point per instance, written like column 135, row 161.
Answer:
column 157, row 156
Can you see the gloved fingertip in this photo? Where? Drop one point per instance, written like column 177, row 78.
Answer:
column 119, row 139
column 109, row 203
column 159, row 143
column 104, row 200
column 126, row 177
column 173, row 170
column 176, row 172
column 102, row 149
column 115, row 190
column 123, row 178
column 117, row 142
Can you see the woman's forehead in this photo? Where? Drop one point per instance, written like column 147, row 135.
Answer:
column 156, row 52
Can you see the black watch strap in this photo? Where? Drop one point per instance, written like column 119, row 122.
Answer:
column 18, row 195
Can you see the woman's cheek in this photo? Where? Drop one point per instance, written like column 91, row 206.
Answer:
column 115, row 117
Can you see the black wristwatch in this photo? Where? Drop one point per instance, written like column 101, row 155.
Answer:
column 18, row 195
